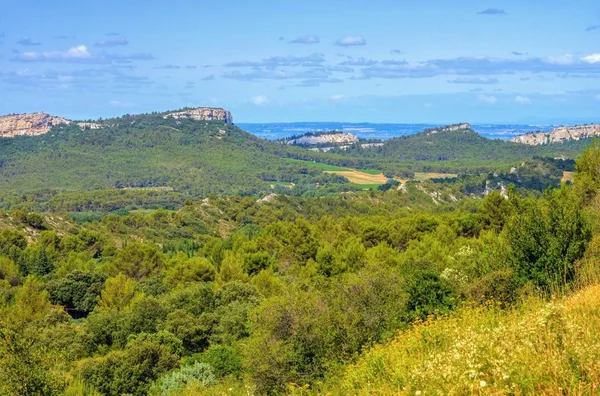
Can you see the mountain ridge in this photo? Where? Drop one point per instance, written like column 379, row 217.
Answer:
column 559, row 135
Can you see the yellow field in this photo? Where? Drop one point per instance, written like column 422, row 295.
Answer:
column 432, row 175
column 359, row 177
column 567, row 176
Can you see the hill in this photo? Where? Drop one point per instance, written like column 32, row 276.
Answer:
column 459, row 148
column 559, row 135
column 147, row 151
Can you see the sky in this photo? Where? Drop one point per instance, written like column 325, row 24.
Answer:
column 427, row 61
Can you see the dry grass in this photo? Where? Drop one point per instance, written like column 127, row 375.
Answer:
column 568, row 176
column 358, row 177
column 545, row 348
column 433, row 175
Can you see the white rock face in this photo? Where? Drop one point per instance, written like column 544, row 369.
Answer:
column 329, row 138
column 558, row 135
column 450, row 128
column 203, row 114
column 28, row 124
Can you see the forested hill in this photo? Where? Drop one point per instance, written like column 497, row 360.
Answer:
column 464, row 145
column 140, row 151
column 196, row 157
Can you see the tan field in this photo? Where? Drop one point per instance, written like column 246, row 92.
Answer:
column 567, row 176
column 433, row 175
column 359, row 177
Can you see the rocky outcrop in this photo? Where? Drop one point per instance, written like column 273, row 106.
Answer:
column 89, row 125
column 28, row 124
column 203, row 114
column 325, row 138
column 558, row 135
column 449, row 128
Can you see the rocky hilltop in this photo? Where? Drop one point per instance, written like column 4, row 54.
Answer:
column 28, row 124
column 558, row 135
column 203, row 114
column 311, row 139
column 449, row 128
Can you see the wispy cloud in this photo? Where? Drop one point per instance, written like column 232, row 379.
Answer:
column 169, row 67
column 351, row 41
column 259, row 100
column 522, row 99
column 469, row 66
column 592, row 28
column 307, row 39
column 312, row 60
column 258, row 74
column 359, row 62
column 518, row 53
column 112, row 42
column 488, row 99
column 492, row 11
column 27, row 42
column 474, row 80
column 208, row 78
column 315, row 82
column 78, row 54
column 395, row 52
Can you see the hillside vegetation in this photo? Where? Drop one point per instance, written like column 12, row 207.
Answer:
column 195, row 158
column 395, row 291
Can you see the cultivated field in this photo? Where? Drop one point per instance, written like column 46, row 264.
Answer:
column 358, row 177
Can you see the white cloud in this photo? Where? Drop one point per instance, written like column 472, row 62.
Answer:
column 489, row 99
column 260, row 100
column 79, row 52
column 76, row 54
column 308, row 39
column 336, row 97
column 593, row 58
column 351, row 41
column 560, row 60
column 522, row 99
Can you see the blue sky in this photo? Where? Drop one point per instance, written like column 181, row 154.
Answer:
column 438, row 61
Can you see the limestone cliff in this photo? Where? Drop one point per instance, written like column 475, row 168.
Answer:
column 28, row 124
column 203, row 114
column 558, row 135
column 326, row 138
column 449, row 128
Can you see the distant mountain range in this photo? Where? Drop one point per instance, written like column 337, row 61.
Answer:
column 197, row 151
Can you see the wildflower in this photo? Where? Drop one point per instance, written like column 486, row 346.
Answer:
column 482, row 383
column 418, row 393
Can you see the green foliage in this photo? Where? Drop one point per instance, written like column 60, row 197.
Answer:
column 546, row 238
column 78, row 290
column 130, row 371
column 25, row 369
column 199, row 374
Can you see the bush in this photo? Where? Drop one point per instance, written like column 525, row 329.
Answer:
column 200, row 374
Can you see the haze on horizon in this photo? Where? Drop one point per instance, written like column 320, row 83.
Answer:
column 434, row 61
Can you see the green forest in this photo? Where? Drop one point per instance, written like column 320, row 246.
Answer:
column 175, row 257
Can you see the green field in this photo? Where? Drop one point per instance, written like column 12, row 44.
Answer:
column 318, row 165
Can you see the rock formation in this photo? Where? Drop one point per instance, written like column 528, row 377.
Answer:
column 203, row 114
column 326, row 138
column 558, row 135
column 28, row 124
column 449, row 128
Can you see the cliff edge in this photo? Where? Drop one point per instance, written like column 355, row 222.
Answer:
column 28, row 124
column 558, row 135
column 203, row 114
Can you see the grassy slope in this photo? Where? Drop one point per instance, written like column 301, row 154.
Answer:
column 542, row 348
